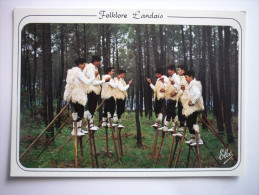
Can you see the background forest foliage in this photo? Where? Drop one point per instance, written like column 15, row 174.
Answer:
column 49, row 50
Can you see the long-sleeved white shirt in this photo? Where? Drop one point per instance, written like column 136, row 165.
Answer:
column 176, row 79
column 81, row 77
column 91, row 74
column 165, row 81
column 194, row 92
column 111, row 82
column 120, row 86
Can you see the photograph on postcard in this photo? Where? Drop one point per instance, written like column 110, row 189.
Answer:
column 129, row 96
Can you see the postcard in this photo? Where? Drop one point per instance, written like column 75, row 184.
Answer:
column 127, row 93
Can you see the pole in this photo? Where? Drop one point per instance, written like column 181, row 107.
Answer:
column 212, row 129
column 52, row 139
column 154, row 150
column 44, row 131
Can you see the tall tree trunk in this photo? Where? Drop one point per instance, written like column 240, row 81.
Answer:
column 85, row 42
column 44, row 80
column 191, row 60
column 162, row 48
column 236, row 72
column 221, row 67
column 60, row 84
column 148, row 96
column 184, row 46
column 203, row 71
column 47, row 62
column 104, row 50
column 35, row 65
column 214, row 83
column 137, row 84
column 227, row 94
column 154, row 45
column 108, row 44
column 78, row 43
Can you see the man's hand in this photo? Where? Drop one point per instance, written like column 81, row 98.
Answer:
column 130, row 82
column 96, row 73
column 149, row 80
column 190, row 103
column 182, row 87
column 107, row 79
column 162, row 79
column 162, row 90
column 172, row 82
column 173, row 94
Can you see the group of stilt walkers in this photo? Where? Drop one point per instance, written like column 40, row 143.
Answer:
column 84, row 87
column 181, row 92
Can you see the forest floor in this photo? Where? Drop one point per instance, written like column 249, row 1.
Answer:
column 133, row 156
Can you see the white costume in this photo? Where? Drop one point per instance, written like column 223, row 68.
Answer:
column 75, row 89
column 192, row 93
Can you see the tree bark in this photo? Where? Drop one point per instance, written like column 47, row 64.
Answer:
column 221, row 67
column 60, row 84
column 214, row 83
column 162, row 48
column 137, row 84
column 154, row 45
column 184, row 46
column 47, row 62
column 227, row 94
column 191, row 60
column 203, row 72
column 148, row 92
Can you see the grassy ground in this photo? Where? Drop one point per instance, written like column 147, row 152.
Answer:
column 133, row 157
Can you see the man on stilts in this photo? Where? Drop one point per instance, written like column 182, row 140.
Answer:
column 159, row 94
column 108, row 94
column 121, row 94
column 75, row 91
column 171, row 96
column 93, row 90
column 192, row 102
column 183, row 83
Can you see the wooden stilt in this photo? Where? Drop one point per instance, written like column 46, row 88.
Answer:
column 90, row 143
column 197, row 148
column 163, row 136
column 172, row 144
column 188, row 157
column 75, row 140
column 107, row 142
column 154, row 150
column 172, row 156
column 81, row 148
column 119, row 141
column 95, row 154
column 180, row 148
column 113, row 137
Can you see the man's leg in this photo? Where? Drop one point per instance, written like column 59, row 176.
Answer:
column 79, row 109
column 120, row 109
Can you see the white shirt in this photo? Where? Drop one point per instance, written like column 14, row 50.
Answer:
column 120, row 86
column 111, row 83
column 91, row 74
column 165, row 81
column 194, row 92
column 81, row 77
column 176, row 79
